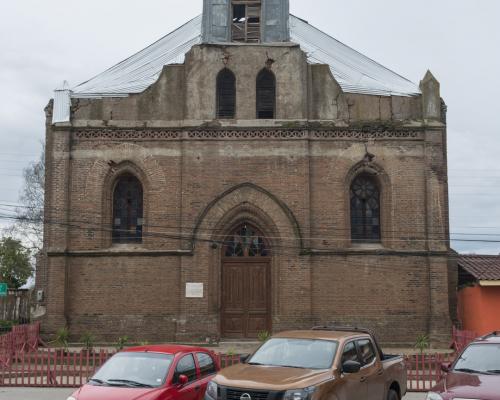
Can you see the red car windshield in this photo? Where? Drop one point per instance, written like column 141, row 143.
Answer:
column 134, row 370
column 481, row 358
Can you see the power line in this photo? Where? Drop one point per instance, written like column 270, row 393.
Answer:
column 89, row 214
column 100, row 228
column 277, row 249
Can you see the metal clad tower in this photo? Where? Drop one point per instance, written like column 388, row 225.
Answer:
column 245, row 21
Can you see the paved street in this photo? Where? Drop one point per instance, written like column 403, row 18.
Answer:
column 34, row 394
column 415, row 396
column 62, row 394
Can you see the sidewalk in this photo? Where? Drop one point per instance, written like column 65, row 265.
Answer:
column 62, row 394
column 34, row 394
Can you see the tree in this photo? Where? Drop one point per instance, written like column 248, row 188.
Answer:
column 30, row 215
column 15, row 263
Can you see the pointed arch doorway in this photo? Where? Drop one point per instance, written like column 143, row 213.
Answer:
column 246, row 284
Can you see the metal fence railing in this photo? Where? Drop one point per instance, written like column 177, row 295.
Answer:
column 462, row 339
column 23, row 363
column 21, row 340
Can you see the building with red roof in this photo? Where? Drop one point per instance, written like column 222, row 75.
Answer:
column 479, row 293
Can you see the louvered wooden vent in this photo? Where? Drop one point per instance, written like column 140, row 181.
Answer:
column 266, row 94
column 226, row 94
column 246, row 21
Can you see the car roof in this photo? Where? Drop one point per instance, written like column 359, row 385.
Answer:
column 321, row 334
column 166, row 349
column 491, row 338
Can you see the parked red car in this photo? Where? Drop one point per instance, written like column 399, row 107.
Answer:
column 152, row 373
column 474, row 375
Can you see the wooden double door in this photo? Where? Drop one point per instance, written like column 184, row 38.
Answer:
column 246, row 297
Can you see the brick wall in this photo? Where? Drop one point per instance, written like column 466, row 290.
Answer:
column 289, row 178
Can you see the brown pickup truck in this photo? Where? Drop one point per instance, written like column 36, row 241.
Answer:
column 320, row 364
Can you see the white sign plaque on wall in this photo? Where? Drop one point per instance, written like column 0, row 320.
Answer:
column 194, row 290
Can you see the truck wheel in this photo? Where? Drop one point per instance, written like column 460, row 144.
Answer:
column 392, row 395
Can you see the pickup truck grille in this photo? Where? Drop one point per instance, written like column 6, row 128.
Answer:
column 235, row 394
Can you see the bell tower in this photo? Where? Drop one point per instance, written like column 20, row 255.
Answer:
column 245, row 21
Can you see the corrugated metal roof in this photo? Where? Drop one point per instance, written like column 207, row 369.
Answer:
column 355, row 72
column 62, row 104
column 483, row 268
column 141, row 70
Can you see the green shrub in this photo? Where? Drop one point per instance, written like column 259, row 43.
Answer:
column 88, row 341
column 122, row 342
column 422, row 343
column 62, row 337
column 6, row 326
column 263, row 336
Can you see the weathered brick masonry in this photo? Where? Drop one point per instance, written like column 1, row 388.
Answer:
column 290, row 177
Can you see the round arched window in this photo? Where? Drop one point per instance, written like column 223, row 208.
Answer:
column 266, row 95
column 226, row 94
column 246, row 241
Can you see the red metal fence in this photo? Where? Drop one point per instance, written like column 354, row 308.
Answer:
column 462, row 338
column 59, row 368
column 22, row 363
column 226, row 360
column 53, row 368
column 23, row 339
column 424, row 370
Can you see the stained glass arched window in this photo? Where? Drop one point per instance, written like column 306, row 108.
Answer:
column 266, row 94
column 246, row 241
column 127, row 210
column 365, row 209
column 226, row 94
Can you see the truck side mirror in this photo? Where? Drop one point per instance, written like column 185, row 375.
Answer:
column 244, row 358
column 351, row 367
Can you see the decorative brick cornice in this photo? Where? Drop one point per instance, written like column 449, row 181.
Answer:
column 362, row 134
column 127, row 134
column 137, row 134
column 248, row 134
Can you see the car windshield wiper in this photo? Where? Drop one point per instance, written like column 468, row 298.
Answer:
column 290, row 366
column 494, row 371
column 97, row 381
column 127, row 382
column 472, row 371
column 254, row 363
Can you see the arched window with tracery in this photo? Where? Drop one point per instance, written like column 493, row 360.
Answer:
column 226, row 94
column 246, row 241
column 128, row 210
column 266, row 94
column 365, row 209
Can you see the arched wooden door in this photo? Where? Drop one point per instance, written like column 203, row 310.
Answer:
column 246, row 284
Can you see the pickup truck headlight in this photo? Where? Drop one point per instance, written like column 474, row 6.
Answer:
column 433, row 396
column 300, row 394
column 212, row 390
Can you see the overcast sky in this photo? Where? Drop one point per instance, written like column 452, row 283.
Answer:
column 43, row 43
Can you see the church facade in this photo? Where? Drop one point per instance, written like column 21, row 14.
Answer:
column 247, row 173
